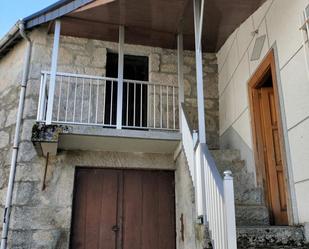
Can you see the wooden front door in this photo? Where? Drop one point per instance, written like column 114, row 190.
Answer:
column 272, row 157
column 123, row 209
column 268, row 139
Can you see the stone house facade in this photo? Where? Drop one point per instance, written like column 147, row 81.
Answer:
column 44, row 193
column 34, row 220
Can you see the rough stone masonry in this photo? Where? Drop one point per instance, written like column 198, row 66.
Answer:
column 42, row 219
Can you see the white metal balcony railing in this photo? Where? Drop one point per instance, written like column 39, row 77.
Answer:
column 214, row 195
column 92, row 100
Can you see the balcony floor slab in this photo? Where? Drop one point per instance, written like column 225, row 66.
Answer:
column 96, row 138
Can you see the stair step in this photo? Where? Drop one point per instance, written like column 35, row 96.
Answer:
column 235, row 166
column 270, row 237
column 225, row 155
column 252, row 196
column 251, row 215
column 228, row 160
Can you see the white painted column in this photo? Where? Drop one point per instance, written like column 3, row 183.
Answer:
column 200, row 163
column 199, row 69
column 52, row 84
column 181, row 96
column 120, row 76
column 229, row 201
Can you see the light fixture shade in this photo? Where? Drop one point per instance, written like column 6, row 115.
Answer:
column 258, row 47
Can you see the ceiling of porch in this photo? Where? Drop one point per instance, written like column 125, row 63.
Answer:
column 156, row 22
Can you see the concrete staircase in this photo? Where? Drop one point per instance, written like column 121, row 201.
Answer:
column 249, row 200
column 270, row 237
column 252, row 218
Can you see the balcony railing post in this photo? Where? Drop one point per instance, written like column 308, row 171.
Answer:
column 39, row 113
column 181, row 97
column 120, row 76
column 230, row 210
column 42, row 98
column 52, row 85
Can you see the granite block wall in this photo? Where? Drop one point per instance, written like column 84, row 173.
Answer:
column 41, row 218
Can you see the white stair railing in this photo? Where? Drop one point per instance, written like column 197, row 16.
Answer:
column 189, row 141
column 214, row 195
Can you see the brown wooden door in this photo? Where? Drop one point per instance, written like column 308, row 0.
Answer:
column 123, row 209
column 272, row 156
column 94, row 209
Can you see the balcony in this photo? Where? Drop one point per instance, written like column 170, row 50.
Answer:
column 84, row 115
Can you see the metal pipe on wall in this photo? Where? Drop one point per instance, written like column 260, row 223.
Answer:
column 8, row 202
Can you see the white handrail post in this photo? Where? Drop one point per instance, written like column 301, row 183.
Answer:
column 230, row 210
column 52, row 85
column 120, row 76
column 181, row 96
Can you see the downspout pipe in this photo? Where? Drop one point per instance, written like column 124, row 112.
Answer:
column 8, row 202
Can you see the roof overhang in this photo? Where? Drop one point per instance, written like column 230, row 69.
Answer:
column 48, row 14
column 157, row 22
column 10, row 39
column 147, row 22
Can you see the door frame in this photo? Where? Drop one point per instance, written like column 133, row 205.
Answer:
column 256, row 80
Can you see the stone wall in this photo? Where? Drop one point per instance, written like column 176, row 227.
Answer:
column 163, row 66
column 41, row 219
column 85, row 56
column 10, row 76
column 185, row 202
column 189, row 233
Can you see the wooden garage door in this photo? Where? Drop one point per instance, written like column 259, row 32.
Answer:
column 123, row 209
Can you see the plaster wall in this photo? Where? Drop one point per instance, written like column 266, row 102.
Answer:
column 279, row 20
